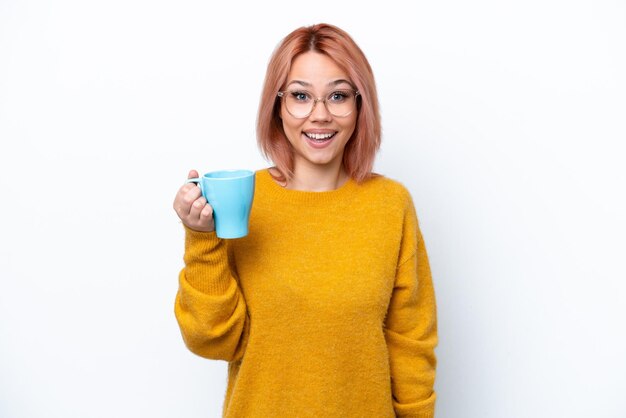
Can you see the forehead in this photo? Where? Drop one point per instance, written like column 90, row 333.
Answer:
column 315, row 69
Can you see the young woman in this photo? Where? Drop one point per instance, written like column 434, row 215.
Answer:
column 326, row 308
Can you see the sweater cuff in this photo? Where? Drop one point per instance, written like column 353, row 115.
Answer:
column 421, row 409
column 200, row 239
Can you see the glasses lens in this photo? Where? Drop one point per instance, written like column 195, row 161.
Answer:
column 339, row 103
column 299, row 103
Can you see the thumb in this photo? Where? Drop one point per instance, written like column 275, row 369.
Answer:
column 193, row 174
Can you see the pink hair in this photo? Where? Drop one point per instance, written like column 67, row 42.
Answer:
column 358, row 157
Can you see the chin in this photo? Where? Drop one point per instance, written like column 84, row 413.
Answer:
column 323, row 161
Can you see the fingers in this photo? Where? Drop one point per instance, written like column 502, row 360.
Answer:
column 206, row 216
column 201, row 213
column 200, row 216
column 196, row 208
column 185, row 197
column 192, row 208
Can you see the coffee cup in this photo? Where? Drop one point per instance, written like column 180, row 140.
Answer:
column 230, row 193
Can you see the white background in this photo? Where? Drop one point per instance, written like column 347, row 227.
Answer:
column 506, row 121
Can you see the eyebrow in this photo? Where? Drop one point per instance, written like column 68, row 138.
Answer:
column 330, row 84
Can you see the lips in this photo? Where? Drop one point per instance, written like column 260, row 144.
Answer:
column 319, row 139
column 319, row 136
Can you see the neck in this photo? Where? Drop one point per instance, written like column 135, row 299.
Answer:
column 318, row 179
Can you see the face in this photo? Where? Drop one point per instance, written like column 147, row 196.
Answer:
column 319, row 139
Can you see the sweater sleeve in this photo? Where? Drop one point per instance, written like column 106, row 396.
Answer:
column 411, row 328
column 210, row 308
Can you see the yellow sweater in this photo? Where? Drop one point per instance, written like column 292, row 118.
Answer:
column 325, row 309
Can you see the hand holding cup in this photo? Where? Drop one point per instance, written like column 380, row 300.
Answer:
column 221, row 202
column 192, row 208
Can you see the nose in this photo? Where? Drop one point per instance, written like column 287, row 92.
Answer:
column 320, row 112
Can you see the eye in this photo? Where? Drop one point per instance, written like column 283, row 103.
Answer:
column 339, row 96
column 300, row 96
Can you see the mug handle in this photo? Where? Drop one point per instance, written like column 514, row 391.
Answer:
column 196, row 180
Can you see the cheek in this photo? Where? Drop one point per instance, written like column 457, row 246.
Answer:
column 289, row 125
column 350, row 127
column 291, row 131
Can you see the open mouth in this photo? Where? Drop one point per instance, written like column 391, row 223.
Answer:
column 320, row 138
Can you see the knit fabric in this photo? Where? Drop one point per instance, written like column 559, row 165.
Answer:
column 325, row 309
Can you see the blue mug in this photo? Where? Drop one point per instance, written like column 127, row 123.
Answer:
column 230, row 193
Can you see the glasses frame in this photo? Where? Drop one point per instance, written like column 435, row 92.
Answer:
column 357, row 93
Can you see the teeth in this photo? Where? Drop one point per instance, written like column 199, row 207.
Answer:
column 318, row 136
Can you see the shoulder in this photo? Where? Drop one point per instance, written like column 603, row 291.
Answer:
column 391, row 190
column 276, row 175
column 270, row 174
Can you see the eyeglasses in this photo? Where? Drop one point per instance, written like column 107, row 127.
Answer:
column 300, row 103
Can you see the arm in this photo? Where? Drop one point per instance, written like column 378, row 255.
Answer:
column 210, row 307
column 411, row 328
